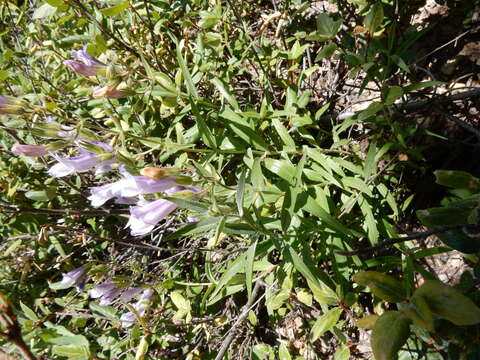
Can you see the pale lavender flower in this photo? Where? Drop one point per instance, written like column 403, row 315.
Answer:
column 101, row 290
column 85, row 161
column 109, row 297
column 127, row 319
column 143, row 218
column 87, row 64
column 120, row 189
column 107, row 292
column 127, row 188
column 191, row 219
column 75, row 278
column 66, row 166
column 129, row 294
column 141, row 307
column 10, row 105
column 109, row 92
column 30, row 150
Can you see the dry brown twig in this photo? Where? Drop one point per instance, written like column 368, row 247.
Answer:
column 11, row 329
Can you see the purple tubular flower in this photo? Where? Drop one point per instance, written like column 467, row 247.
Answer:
column 10, row 105
column 129, row 294
column 75, row 278
column 101, row 290
column 144, row 218
column 30, row 150
column 87, row 64
column 109, row 297
column 107, row 292
column 127, row 188
column 141, row 306
column 66, row 166
column 127, row 319
column 85, row 161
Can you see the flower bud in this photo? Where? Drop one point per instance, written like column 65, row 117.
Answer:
column 30, row 150
column 11, row 105
column 158, row 173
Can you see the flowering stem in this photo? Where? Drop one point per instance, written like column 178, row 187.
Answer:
column 88, row 212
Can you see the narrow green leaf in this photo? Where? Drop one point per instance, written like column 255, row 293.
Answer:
column 283, row 353
column 457, row 179
column 180, row 302
column 71, row 352
column 220, row 228
column 233, row 269
column 249, row 268
column 283, row 133
column 192, row 90
column 204, row 130
column 422, row 85
column 321, row 291
column 374, row 18
column 115, row 9
column 106, row 311
column 240, row 193
column 370, row 166
column 369, row 220
column 342, row 353
column 357, row 184
column 226, row 93
column 314, row 208
column 400, row 63
column 393, row 93
column 281, row 168
column 74, row 340
column 325, row 323
column 243, row 129
column 29, row 313
column 256, row 175
column 56, row 3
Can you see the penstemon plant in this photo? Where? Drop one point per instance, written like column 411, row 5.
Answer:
column 177, row 183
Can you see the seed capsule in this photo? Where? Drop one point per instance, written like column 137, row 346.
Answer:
column 154, row 172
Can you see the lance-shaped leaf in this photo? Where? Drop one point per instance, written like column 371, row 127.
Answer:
column 448, row 303
column 367, row 322
column 391, row 331
column 419, row 312
column 374, row 18
column 456, row 239
column 457, row 179
column 384, row 286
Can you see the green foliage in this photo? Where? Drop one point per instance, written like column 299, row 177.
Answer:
column 212, row 95
column 390, row 333
column 429, row 303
